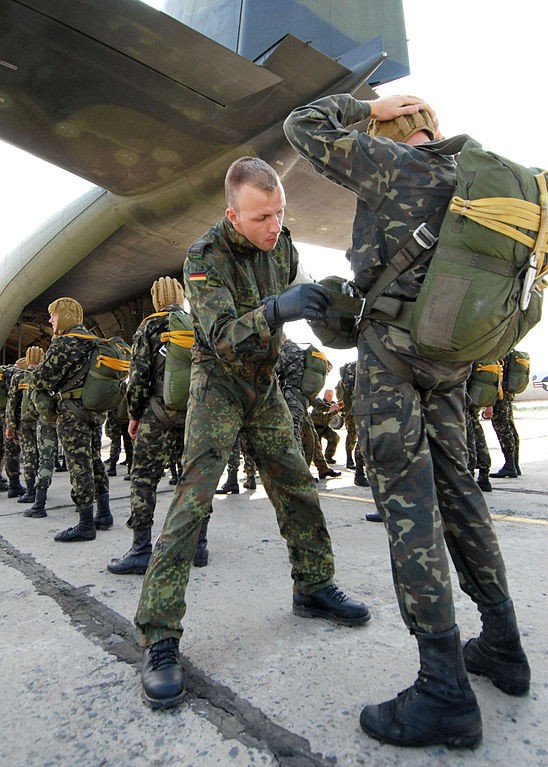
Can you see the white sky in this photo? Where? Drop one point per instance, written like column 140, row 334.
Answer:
column 480, row 63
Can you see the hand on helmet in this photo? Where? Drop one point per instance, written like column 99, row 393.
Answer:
column 308, row 301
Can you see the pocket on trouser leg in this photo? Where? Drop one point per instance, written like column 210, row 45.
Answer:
column 379, row 425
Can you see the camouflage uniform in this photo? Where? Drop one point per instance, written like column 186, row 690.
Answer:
column 233, row 388
column 412, row 434
column 504, row 425
column 12, row 445
column 116, row 430
column 161, row 430
column 312, row 447
column 80, row 430
column 289, row 370
column 321, row 416
column 478, row 452
column 22, row 418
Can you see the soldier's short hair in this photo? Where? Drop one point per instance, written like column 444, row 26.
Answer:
column 249, row 170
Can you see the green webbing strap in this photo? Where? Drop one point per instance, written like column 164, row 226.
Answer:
column 387, row 357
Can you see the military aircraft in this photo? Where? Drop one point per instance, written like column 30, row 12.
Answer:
column 152, row 107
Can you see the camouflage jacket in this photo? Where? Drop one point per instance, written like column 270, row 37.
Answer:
column 320, row 413
column 15, row 396
column 397, row 186
column 226, row 279
column 290, row 365
column 66, row 362
column 146, row 370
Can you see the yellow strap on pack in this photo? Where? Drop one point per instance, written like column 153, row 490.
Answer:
column 493, row 367
column 321, row 355
column 184, row 338
column 504, row 214
column 112, row 363
column 23, row 385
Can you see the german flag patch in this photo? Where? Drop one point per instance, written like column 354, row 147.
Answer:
column 198, row 276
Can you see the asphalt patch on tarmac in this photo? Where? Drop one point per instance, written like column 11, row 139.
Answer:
column 233, row 716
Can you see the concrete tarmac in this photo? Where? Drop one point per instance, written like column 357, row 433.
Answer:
column 264, row 686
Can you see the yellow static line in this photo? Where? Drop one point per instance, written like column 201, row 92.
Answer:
column 494, row 515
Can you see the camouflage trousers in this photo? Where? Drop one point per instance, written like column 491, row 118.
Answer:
column 297, row 408
column 220, row 407
column 153, row 448
column 351, row 443
column 478, row 452
column 46, row 438
column 332, row 439
column 29, row 449
column 412, row 436
column 505, row 429
column 12, row 454
column 312, row 447
column 81, row 441
column 233, row 464
column 118, row 434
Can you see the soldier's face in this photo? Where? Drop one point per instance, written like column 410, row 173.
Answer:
column 259, row 216
column 53, row 320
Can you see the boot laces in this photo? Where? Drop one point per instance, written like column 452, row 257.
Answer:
column 336, row 593
column 163, row 654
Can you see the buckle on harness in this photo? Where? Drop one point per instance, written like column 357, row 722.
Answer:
column 359, row 316
column 424, row 236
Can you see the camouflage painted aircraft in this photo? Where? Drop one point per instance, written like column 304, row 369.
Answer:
column 152, row 107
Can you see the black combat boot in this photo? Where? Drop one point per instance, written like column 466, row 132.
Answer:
column 162, row 675
column 332, row 603
column 231, row 484
column 38, row 509
column 439, row 708
column 135, row 561
column 251, row 482
column 103, row 519
column 374, row 517
column 84, row 530
column 15, row 488
column 350, row 461
column 497, row 652
column 483, row 481
column 30, row 494
column 359, row 477
column 61, row 463
column 111, row 471
column 4, row 484
column 508, row 471
column 201, row 555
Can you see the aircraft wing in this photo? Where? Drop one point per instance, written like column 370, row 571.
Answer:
column 152, row 112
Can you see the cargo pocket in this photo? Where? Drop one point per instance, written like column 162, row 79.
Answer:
column 379, row 426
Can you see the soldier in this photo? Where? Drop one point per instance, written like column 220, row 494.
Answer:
column 345, row 394
column 410, row 420
column 238, row 281
column 155, row 428
column 21, row 417
column 80, row 430
column 505, row 429
column 478, row 452
column 12, row 445
column 322, row 413
column 231, row 484
column 116, row 429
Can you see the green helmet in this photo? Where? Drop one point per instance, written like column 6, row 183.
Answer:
column 338, row 328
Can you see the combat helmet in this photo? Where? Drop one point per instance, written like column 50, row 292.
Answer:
column 337, row 329
column 403, row 127
column 69, row 312
column 166, row 291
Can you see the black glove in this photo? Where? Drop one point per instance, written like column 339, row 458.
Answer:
column 308, row 301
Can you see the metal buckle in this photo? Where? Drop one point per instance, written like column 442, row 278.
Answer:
column 424, row 236
column 358, row 317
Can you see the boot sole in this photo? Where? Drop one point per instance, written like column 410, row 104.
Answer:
column 310, row 612
column 128, row 571
column 457, row 741
column 159, row 703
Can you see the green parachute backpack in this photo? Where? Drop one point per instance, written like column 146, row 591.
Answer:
column 314, row 373
column 517, row 366
column 102, row 388
column 482, row 291
column 484, row 385
column 178, row 341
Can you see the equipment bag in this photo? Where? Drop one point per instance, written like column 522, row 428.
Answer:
column 109, row 364
column 517, row 366
column 314, row 373
column 485, row 383
column 482, row 291
column 178, row 341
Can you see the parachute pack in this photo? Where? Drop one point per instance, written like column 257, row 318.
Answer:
column 109, row 364
column 517, row 367
column 178, row 341
column 314, row 373
column 484, row 385
column 483, row 288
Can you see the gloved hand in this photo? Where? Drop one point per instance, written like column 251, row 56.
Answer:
column 307, row 300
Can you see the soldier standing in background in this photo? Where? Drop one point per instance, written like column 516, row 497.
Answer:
column 80, row 430
column 21, row 417
column 237, row 280
column 505, row 429
column 345, row 394
column 155, row 428
column 12, row 445
column 323, row 410
column 116, row 429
